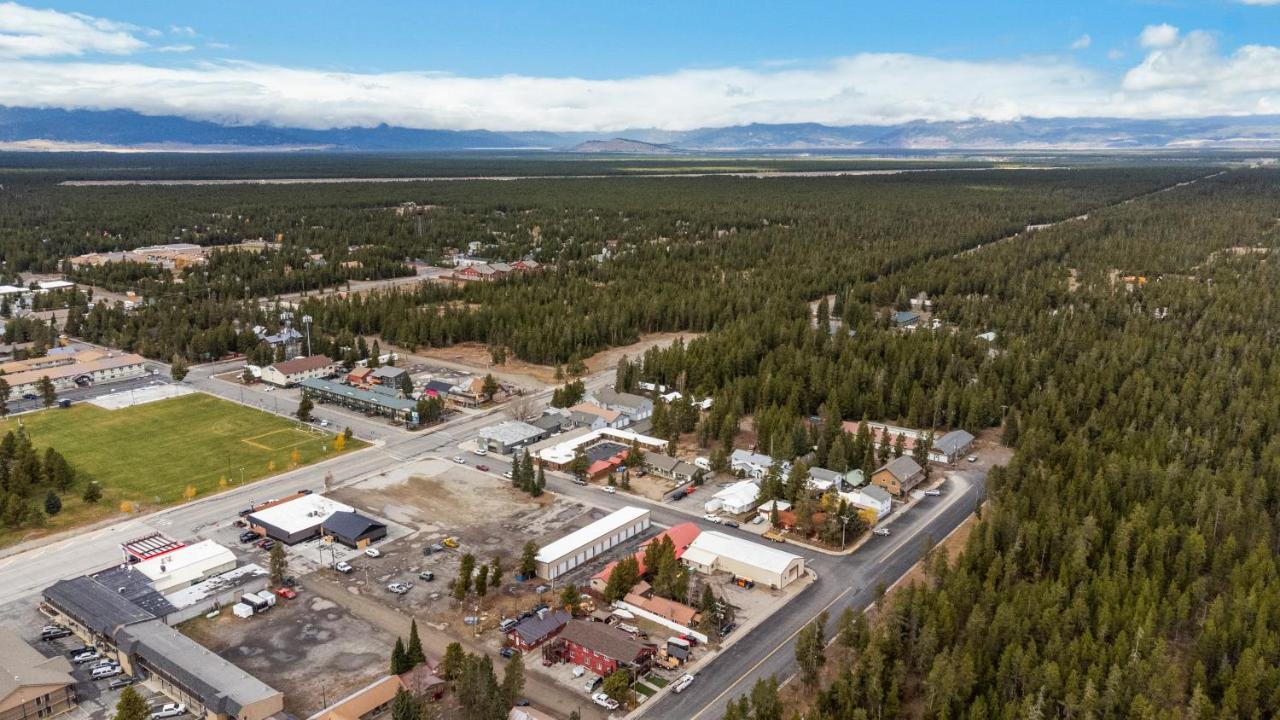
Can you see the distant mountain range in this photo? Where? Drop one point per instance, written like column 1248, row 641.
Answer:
column 45, row 129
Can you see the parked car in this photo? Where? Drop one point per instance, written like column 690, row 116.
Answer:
column 433, row 549
column 757, row 520
column 712, row 518
column 459, row 459
column 248, row 536
column 427, row 575
column 677, row 497
column 508, row 623
column 685, row 681
column 104, row 672
column 725, row 630
column 579, row 481
column 542, row 588
column 53, row 632
column 482, row 468
column 972, row 458
column 880, row 531
column 604, row 701
column 507, row 653
column 119, row 683
column 730, row 523
column 933, row 493
column 609, row 489
column 480, row 451
column 343, row 567
column 30, row 396
column 398, row 588
column 508, row 475
column 372, row 552
column 286, row 593
column 267, row 544
column 168, row 710
column 85, row 657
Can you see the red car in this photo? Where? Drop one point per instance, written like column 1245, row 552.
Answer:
column 482, row 468
column 286, row 593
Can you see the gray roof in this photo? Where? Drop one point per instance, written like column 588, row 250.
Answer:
column 136, row 588
column 668, row 464
column 350, row 524
column 22, row 666
column 953, row 442
column 100, row 608
column 613, row 400
column 512, row 432
column 903, row 467
column 354, row 393
column 439, row 386
column 825, row 475
column 746, row 456
column 877, row 493
column 221, row 686
column 533, row 630
column 549, row 422
column 604, row 639
column 390, row 372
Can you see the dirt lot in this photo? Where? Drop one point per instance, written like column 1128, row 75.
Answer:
column 474, row 357
column 308, row 648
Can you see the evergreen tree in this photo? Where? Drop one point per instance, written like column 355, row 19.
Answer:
column 131, row 706
column 52, row 503
column 414, row 652
column 529, row 559
column 513, row 679
column 399, row 660
column 305, row 406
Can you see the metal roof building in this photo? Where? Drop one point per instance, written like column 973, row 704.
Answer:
column 712, row 551
column 298, row 519
column 579, row 546
column 510, row 435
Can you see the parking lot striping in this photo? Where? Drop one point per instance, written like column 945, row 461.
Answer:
column 764, row 659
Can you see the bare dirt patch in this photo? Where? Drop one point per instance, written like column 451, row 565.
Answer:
column 308, row 648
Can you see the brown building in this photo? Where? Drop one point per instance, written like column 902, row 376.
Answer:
column 898, row 476
column 31, row 685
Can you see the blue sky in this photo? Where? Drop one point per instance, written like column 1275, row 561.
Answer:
column 609, row 65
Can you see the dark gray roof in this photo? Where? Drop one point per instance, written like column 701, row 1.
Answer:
column 221, row 686
column 389, row 371
column 137, row 589
column 548, row 422
column 98, row 607
column 604, row 639
column 953, row 442
column 350, row 524
column 533, row 630
column 439, row 386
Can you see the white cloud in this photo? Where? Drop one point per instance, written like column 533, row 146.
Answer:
column 1115, row 54
column 1259, row 2
column 1181, row 75
column 183, row 30
column 28, row 32
column 1158, row 36
column 175, row 48
column 1082, row 42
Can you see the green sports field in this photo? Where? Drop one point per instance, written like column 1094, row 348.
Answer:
column 147, row 455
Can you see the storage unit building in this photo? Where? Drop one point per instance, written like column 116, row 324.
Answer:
column 580, row 546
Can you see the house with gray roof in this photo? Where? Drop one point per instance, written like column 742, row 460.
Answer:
column 898, row 476
column 668, row 467
column 951, row 447
column 635, row 407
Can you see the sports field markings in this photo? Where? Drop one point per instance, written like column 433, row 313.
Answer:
column 300, row 438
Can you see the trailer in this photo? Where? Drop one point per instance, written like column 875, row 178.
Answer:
column 255, row 602
column 267, row 597
column 242, row 610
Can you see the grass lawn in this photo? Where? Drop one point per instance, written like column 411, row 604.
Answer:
column 655, row 680
column 643, row 689
column 147, row 455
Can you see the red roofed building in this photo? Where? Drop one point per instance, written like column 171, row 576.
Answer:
column 681, row 535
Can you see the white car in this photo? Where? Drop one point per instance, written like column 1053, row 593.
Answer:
column 609, row 489
column 398, row 588
column 168, row 710
column 880, row 531
column 343, row 566
column 373, row 552
column 685, row 681
column 604, row 701
column 459, row 459
column 972, row 458
column 508, row 475
column 324, row 423
column 933, row 493
column 712, row 518
column 85, row 657
column 106, row 671
column 480, row 451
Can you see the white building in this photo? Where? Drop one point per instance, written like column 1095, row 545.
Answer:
column 579, row 546
column 187, row 566
column 296, row 520
column 736, row 499
column 754, row 465
column 871, row 497
column 717, row 552
column 561, row 454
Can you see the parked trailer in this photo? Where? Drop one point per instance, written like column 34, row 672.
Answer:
column 267, row 597
column 242, row 610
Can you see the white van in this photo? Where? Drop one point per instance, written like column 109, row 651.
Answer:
column 702, row 462
column 105, row 671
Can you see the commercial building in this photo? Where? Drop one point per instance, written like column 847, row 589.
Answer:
column 378, row 399
column 371, row 701
column 389, row 375
column 292, row 372
column 148, row 649
column 297, row 519
column 531, row 632
column 78, row 370
column 596, row 417
column 558, row 456
column 576, row 548
column 352, row 529
column 736, row 499
column 600, row 648
column 509, row 436
column 186, row 566
column 715, row 551
column 898, row 476
column 31, row 685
